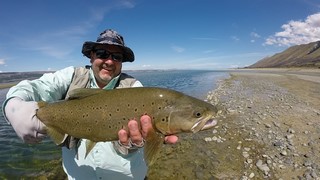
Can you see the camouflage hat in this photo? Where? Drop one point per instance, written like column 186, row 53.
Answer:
column 109, row 37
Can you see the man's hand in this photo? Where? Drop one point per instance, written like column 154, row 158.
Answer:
column 137, row 135
column 22, row 116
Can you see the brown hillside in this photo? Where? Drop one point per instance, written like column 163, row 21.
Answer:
column 305, row 55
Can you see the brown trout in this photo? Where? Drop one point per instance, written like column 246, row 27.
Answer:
column 98, row 115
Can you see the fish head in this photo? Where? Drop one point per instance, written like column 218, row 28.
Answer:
column 186, row 114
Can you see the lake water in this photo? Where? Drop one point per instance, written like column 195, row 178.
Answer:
column 18, row 159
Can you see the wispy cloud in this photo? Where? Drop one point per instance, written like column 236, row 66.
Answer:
column 2, row 62
column 60, row 42
column 177, row 48
column 146, row 65
column 208, row 51
column 297, row 32
column 205, row 38
column 235, row 38
column 254, row 36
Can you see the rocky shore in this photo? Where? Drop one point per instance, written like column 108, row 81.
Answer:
column 269, row 128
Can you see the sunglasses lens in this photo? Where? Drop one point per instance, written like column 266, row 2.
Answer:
column 104, row 54
column 117, row 56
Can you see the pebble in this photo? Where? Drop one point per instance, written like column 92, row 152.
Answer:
column 284, row 153
column 262, row 167
column 251, row 175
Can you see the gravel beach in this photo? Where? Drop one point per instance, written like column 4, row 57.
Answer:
column 269, row 128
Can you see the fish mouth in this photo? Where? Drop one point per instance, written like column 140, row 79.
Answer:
column 203, row 124
column 209, row 124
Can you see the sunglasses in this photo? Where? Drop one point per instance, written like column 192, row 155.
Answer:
column 104, row 54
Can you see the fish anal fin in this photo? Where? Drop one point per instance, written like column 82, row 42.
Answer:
column 89, row 147
column 56, row 136
column 154, row 141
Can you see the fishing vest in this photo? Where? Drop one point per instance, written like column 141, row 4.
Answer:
column 81, row 79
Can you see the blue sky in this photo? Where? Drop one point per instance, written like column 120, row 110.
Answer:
column 41, row 35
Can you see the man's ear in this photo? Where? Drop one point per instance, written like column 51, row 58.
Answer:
column 91, row 57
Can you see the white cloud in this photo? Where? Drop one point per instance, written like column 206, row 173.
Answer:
column 2, row 62
column 254, row 36
column 297, row 32
column 235, row 38
column 208, row 51
column 146, row 65
column 177, row 48
column 204, row 38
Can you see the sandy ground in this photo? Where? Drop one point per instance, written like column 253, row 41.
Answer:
column 269, row 128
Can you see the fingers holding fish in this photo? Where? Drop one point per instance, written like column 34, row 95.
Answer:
column 123, row 138
column 135, row 136
column 146, row 125
column 132, row 138
column 171, row 139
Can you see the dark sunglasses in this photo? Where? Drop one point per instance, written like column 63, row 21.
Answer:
column 104, row 54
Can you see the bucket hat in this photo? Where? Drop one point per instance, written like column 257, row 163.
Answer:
column 109, row 37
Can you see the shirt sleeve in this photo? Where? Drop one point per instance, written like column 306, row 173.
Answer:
column 137, row 84
column 50, row 87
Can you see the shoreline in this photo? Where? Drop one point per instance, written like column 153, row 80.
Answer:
column 269, row 128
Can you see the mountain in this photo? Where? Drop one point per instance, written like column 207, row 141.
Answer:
column 305, row 55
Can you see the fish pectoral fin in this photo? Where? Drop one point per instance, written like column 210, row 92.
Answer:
column 89, row 146
column 57, row 136
column 154, row 141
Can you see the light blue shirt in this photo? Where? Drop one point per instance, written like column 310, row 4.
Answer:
column 103, row 162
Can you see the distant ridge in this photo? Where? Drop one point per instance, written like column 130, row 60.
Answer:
column 305, row 55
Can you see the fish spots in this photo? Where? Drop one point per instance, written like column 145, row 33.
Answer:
column 85, row 115
column 118, row 110
column 136, row 110
column 165, row 119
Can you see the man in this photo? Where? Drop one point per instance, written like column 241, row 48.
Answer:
column 107, row 160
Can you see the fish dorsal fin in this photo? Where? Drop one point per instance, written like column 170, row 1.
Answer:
column 154, row 141
column 89, row 147
column 83, row 92
column 56, row 136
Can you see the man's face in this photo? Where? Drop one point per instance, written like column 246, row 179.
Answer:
column 106, row 66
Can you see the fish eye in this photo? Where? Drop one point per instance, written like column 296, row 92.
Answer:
column 197, row 114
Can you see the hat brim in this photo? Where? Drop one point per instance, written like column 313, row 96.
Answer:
column 89, row 46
